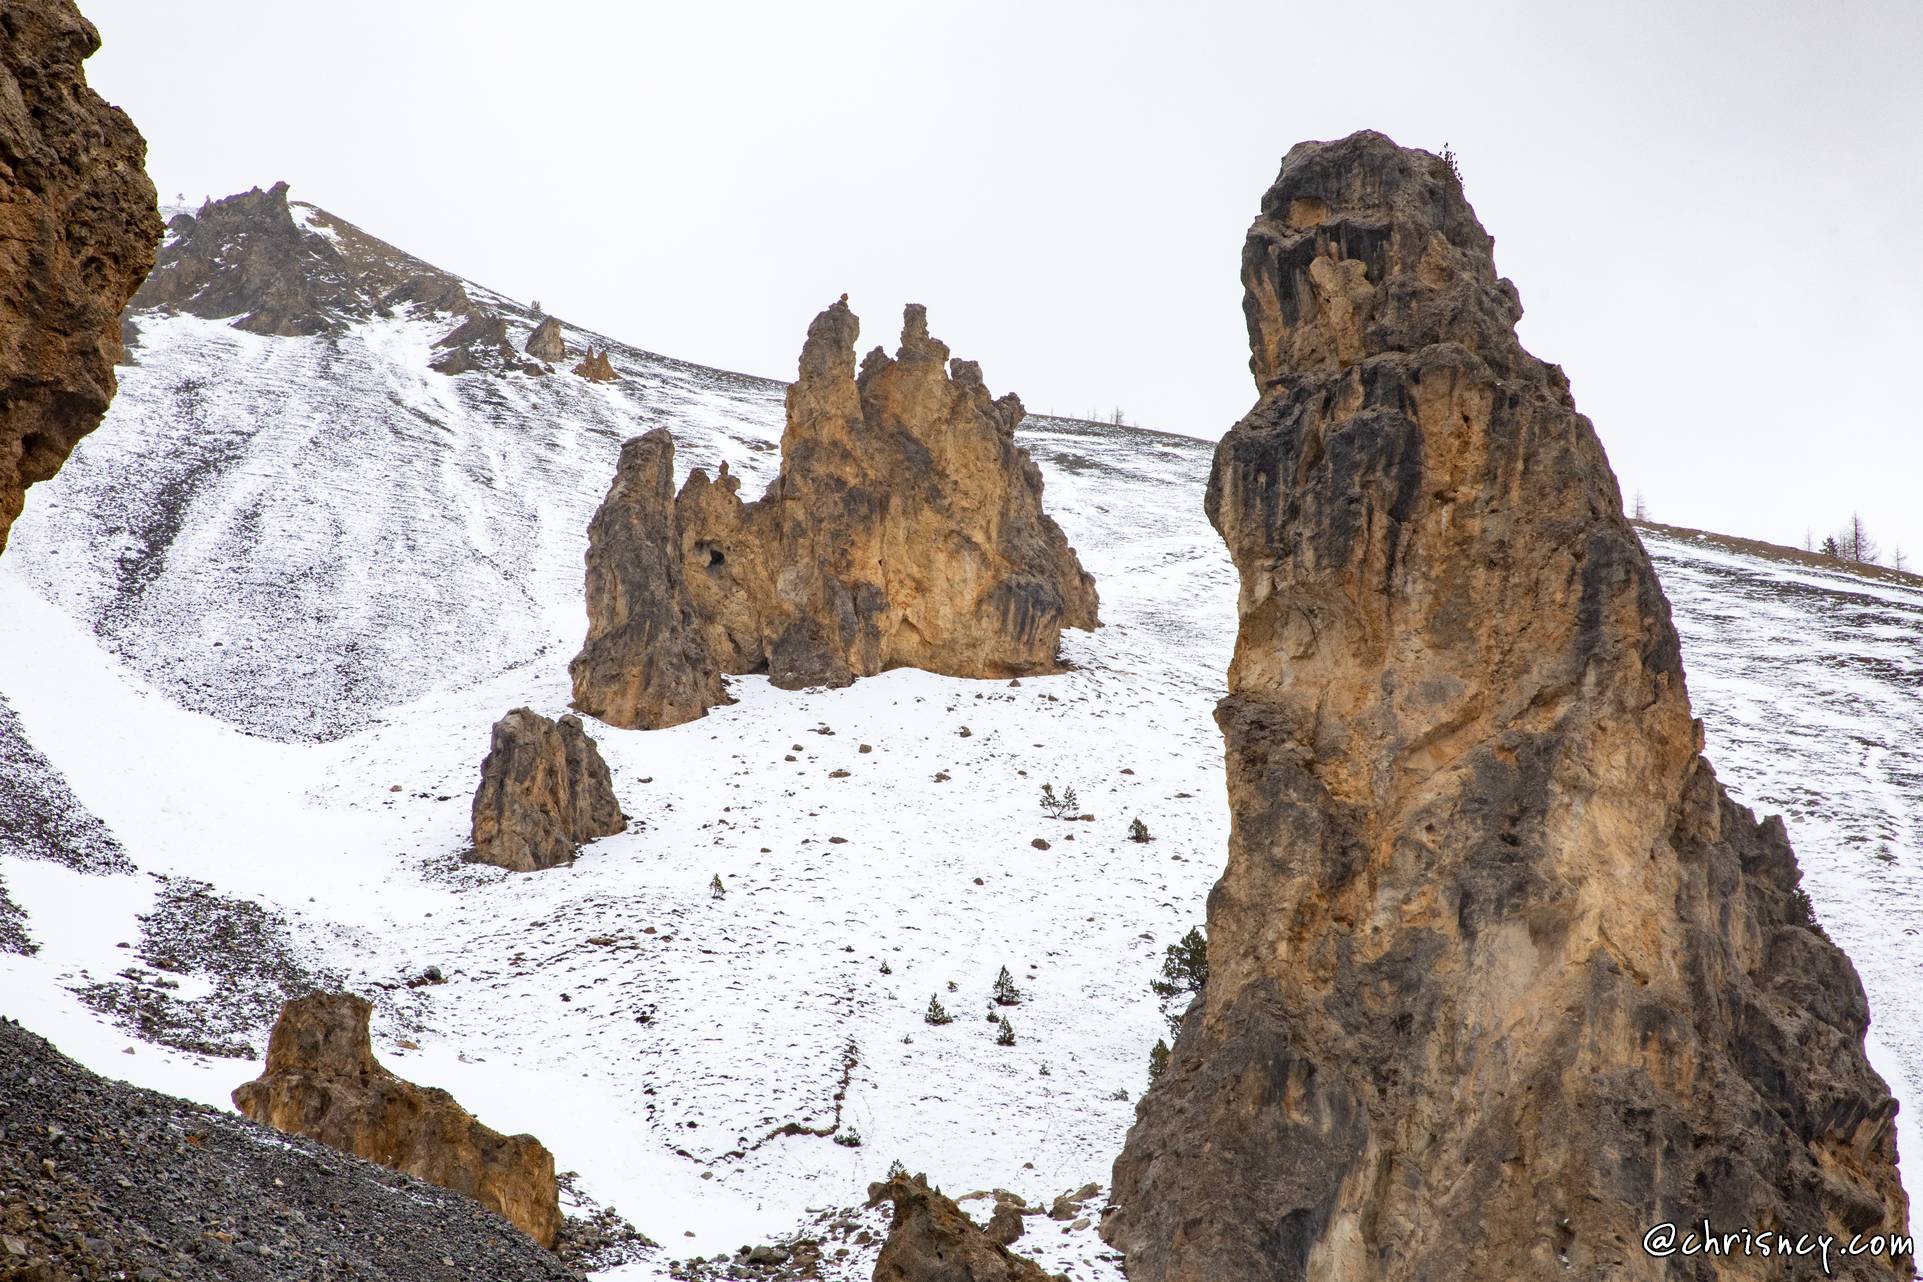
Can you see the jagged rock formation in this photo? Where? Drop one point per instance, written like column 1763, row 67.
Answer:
column 285, row 268
column 479, row 343
column 905, row 530
column 544, row 790
column 596, row 368
column 930, row 1239
column 1499, row 976
column 101, row 1182
column 78, row 226
column 322, row 1081
column 545, row 343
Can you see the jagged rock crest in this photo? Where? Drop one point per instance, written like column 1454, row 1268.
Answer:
column 906, row 529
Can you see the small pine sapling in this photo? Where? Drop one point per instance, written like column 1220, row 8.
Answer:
column 1006, row 994
column 1058, row 805
column 1186, row 967
column 1157, row 1060
column 1005, row 1035
column 936, row 1012
column 715, row 889
column 1138, row 831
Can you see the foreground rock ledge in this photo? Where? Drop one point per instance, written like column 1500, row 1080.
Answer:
column 1499, row 976
column 78, row 225
column 544, row 791
column 323, row 1082
column 905, row 530
column 930, row 1239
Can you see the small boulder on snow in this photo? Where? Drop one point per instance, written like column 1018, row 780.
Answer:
column 544, row 790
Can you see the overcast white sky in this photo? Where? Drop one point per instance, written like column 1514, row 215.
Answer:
column 1714, row 211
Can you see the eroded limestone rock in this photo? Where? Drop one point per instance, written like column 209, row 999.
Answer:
column 78, row 225
column 322, row 1081
column 930, row 1239
column 596, row 368
column 1499, row 977
column 544, row 791
column 905, row 530
column 546, row 344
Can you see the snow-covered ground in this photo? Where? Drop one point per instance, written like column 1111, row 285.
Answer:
column 262, row 622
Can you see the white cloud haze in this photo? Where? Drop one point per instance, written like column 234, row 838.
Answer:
column 1710, row 209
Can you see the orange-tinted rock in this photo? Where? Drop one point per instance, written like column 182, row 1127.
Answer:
column 1498, row 976
column 545, row 343
column 78, row 225
column 596, row 368
column 906, row 529
column 544, row 791
column 930, row 1239
column 322, row 1081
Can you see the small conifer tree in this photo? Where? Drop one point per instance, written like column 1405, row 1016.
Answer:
column 1005, row 1035
column 1138, row 831
column 715, row 889
column 936, row 1013
column 1006, row 994
column 1186, row 967
column 1157, row 1060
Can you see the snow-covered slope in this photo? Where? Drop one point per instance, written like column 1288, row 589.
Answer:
column 259, row 627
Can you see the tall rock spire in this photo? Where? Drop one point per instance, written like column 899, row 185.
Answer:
column 1499, row 978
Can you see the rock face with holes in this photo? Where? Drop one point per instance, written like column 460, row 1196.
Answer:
column 322, row 1081
column 906, row 529
column 544, row 791
column 1499, row 977
column 930, row 1239
column 78, row 225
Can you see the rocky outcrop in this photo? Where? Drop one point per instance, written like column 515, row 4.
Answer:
column 596, row 368
column 1499, row 977
column 479, row 343
column 285, row 268
column 78, row 226
column 905, row 530
column 323, row 1082
column 545, row 343
column 245, row 257
column 101, row 1182
column 930, row 1239
column 544, row 791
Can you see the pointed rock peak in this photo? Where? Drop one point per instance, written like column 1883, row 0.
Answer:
column 596, row 367
column 906, row 529
column 545, row 343
column 1481, row 884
